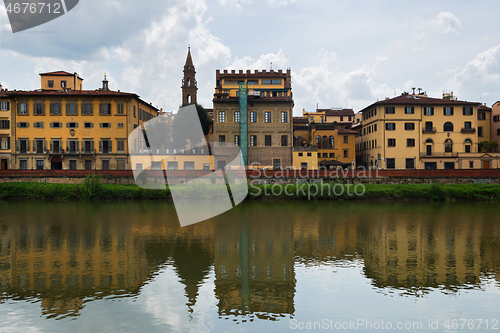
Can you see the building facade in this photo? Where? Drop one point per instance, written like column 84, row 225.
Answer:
column 339, row 116
column 66, row 129
column 419, row 132
column 495, row 122
column 5, row 129
column 270, row 110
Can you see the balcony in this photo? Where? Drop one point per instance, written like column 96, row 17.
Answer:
column 438, row 155
column 428, row 130
column 468, row 130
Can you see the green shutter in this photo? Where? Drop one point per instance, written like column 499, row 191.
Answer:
column 110, row 146
column 452, row 110
column 100, row 125
column 51, row 108
column 51, row 146
column 8, row 106
column 92, row 125
column 45, row 146
column 34, row 146
column 18, row 109
column 109, row 108
column 67, row 146
column 432, row 110
column 76, row 125
column 81, row 105
column 100, row 108
column 67, row 108
column 52, row 125
column 67, row 125
column 18, row 146
column 92, row 146
column 78, row 146
column 28, row 148
column 100, row 146
column 18, row 125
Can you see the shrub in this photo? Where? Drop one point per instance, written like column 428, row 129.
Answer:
column 90, row 187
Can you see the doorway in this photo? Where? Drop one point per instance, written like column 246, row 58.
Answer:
column 3, row 164
column 486, row 165
column 56, row 163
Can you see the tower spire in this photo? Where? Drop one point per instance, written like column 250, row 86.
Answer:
column 189, row 86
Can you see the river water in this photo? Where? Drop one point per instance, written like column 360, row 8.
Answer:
column 261, row 267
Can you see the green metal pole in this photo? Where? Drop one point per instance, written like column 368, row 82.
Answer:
column 244, row 122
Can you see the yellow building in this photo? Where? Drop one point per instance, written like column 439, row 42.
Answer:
column 495, row 123
column 339, row 116
column 334, row 146
column 5, row 129
column 61, row 128
column 419, row 132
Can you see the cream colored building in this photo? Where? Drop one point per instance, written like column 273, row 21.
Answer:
column 419, row 132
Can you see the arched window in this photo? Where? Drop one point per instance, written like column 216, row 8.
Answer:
column 189, row 82
column 448, row 146
column 189, row 68
column 332, row 142
column 448, row 127
column 324, row 143
column 429, row 141
column 468, row 145
column 428, row 147
column 318, row 141
column 189, row 99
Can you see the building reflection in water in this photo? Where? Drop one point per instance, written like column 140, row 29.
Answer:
column 67, row 255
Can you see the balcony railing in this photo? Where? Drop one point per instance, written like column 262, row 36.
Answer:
column 429, row 130
column 469, row 130
column 423, row 155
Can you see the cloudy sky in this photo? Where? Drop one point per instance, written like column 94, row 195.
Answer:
column 342, row 53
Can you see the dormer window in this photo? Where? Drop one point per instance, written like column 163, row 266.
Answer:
column 63, row 84
column 51, row 84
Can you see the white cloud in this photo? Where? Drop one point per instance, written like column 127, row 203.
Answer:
column 277, row 60
column 234, row 3
column 329, row 86
column 277, row 3
column 478, row 76
column 446, row 22
column 4, row 20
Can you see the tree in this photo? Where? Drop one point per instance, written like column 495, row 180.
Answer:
column 487, row 146
column 184, row 131
column 159, row 132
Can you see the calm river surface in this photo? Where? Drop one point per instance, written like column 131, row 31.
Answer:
column 262, row 267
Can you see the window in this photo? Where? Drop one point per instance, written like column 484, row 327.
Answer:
column 236, row 116
column 134, row 112
column 72, row 146
column 63, row 84
column 172, row 166
column 309, row 154
column 50, row 83
column 480, row 131
column 253, row 140
column 119, row 108
column 55, row 108
column 448, row 146
column 23, row 124
column 390, row 110
column 449, row 165
column 88, row 165
column 72, row 125
column 391, row 163
column 222, row 140
column 105, row 147
column 138, row 166
column 301, row 154
column 105, row 164
column 374, row 127
column 40, row 146
column 410, row 142
column 471, row 164
column 390, row 126
column 391, row 142
column 409, row 126
column 105, row 109
column 206, row 166
column 346, row 139
column 120, row 146
column 267, row 116
column 468, row 144
column 267, row 141
column 23, row 108
column 275, row 81
column 332, row 155
column 448, row 127
column 448, row 110
column 284, row 116
column 4, row 106
column 87, row 108
column 284, row 140
column 410, row 163
column 481, row 116
column 4, row 124
column 88, row 125
column 409, row 110
column 120, row 125
column 467, row 125
column 55, row 124
column 468, row 111
column 253, row 117
column 496, row 118
column 319, row 155
column 428, row 111
column 188, row 165
column 72, row 164
column 39, row 109
column 498, row 131
column 105, row 125
column 88, row 146
column 39, row 164
column 5, row 144
column 222, row 116
column 237, row 140
column 38, row 124
column 346, row 153
column 71, row 108
column 276, row 163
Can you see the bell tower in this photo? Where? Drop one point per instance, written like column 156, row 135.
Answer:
column 189, row 87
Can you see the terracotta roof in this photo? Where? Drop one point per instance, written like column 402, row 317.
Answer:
column 4, row 93
column 418, row 100
column 483, row 108
column 347, row 131
column 343, row 112
column 300, row 120
column 60, row 73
